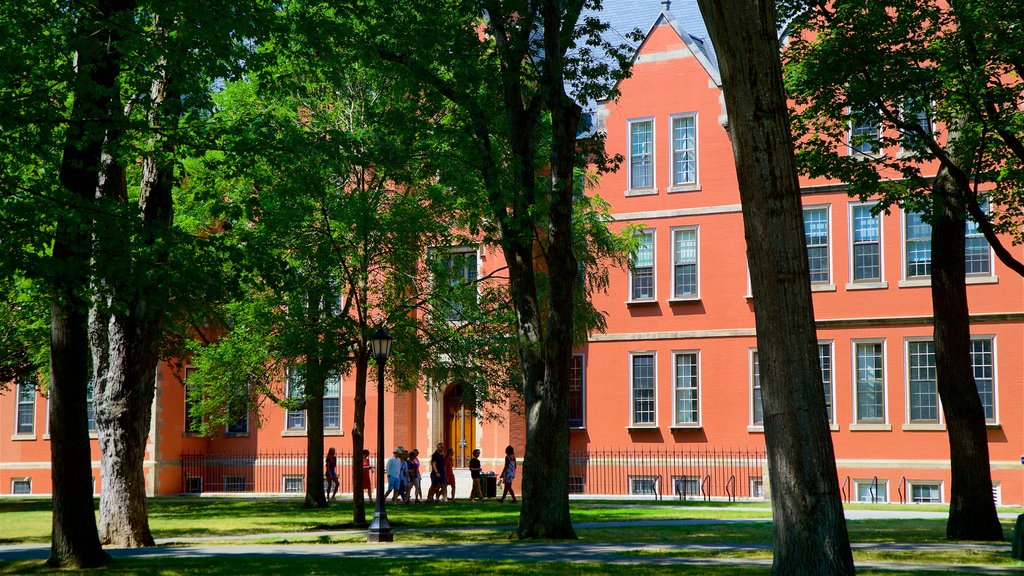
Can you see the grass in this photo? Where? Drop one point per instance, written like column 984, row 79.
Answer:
column 183, row 519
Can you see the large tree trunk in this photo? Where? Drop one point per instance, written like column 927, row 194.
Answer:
column 314, row 392
column 972, row 511
column 74, row 539
column 359, row 439
column 126, row 321
column 545, row 512
column 809, row 527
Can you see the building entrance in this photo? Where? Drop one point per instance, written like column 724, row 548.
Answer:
column 460, row 425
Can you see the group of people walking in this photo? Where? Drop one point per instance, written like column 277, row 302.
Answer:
column 404, row 476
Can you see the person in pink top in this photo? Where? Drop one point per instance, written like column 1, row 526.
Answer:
column 508, row 474
column 449, row 473
column 414, row 475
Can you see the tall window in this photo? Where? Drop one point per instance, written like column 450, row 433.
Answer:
column 825, row 361
column 684, row 263
column 576, row 384
column 923, row 397
column 332, row 403
column 461, row 271
column 686, row 389
column 816, row 235
column 984, row 375
column 863, row 134
column 915, row 111
column 192, row 421
column 757, row 408
column 976, row 255
column 295, row 419
column 26, row 422
column 866, row 244
column 238, row 414
column 917, row 239
column 90, row 408
column 642, row 271
column 684, row 150
column 641, row 154
column 870, row 385
column 642, row 384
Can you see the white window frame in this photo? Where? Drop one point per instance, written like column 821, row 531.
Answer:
column 632, row 390
column 995, row 375
column 284, row 483
column 905, row 252
column 685, row 479
column 929, row 119
column 852, row 124
column 288, row 428
column 881, row 497
column 334, row 430
column 912, row 483
column 654, row 268
column 643, row 478
column 675, row 389
column 583, row 391
column 907, row 398
column 758, row 482
column 832, row 419
column 696, row 262
column 858, row 423
column 867, row 282
column 985, row 206
column 752, row 378
column 653, row 188
column 21, row 480
column 22, row 381
column 695, row 183
column 827, row 283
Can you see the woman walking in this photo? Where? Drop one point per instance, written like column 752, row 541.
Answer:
column 449, row 473
column 331, row 463
column 508, row 474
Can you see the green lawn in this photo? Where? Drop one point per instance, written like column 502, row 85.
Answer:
column 28, row 521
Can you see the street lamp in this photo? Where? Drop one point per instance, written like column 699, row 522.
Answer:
column 380, row 528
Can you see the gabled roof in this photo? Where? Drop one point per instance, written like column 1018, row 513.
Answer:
column 625, row 16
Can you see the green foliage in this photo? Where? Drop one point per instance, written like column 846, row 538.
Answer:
column 911, row 65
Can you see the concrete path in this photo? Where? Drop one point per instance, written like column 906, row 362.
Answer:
column 617, row 553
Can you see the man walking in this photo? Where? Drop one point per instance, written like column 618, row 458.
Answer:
column 436, row 474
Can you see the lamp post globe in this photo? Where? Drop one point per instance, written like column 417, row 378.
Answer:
column 380, row 528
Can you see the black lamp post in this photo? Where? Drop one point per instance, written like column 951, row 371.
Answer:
column 380, row 528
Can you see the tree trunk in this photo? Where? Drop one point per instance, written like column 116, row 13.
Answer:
column 972, row 511
column 809, row 527
column 74, row 538
column 126, row 321
column 313, row 388
column 545, row 512
column 359, row 439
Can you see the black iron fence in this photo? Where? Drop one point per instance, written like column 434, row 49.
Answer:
column 687, row 474
column 254, row 472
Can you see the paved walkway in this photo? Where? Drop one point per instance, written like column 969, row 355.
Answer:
column 613, row 553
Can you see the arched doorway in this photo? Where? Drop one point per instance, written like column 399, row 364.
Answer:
column 459, row 425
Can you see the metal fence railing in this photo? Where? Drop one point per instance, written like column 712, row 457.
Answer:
column 259, row 472
column 687, row 474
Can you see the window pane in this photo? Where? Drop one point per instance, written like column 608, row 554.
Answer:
column 918, row 238
column 686, row 389
column 192, row 421
column 976, row 256
column 26, row 406
column 90, row 408
column 870, row 390
column 640, row 154
column 816, row 235
column 981, row 361
column 924, row 402
column 643, row 389
column 865, row 244
column 755, row 371
column 684, row 257
column 332, row 402
column 684, row 151
column 863, row 135
column 296, row 418
column 642, row 275
column 576, row 392
column 825, row 360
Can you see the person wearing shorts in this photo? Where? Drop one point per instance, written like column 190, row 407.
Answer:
column 393, row 468
column 436, row 475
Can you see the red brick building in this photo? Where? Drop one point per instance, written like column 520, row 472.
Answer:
column 676, row 370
